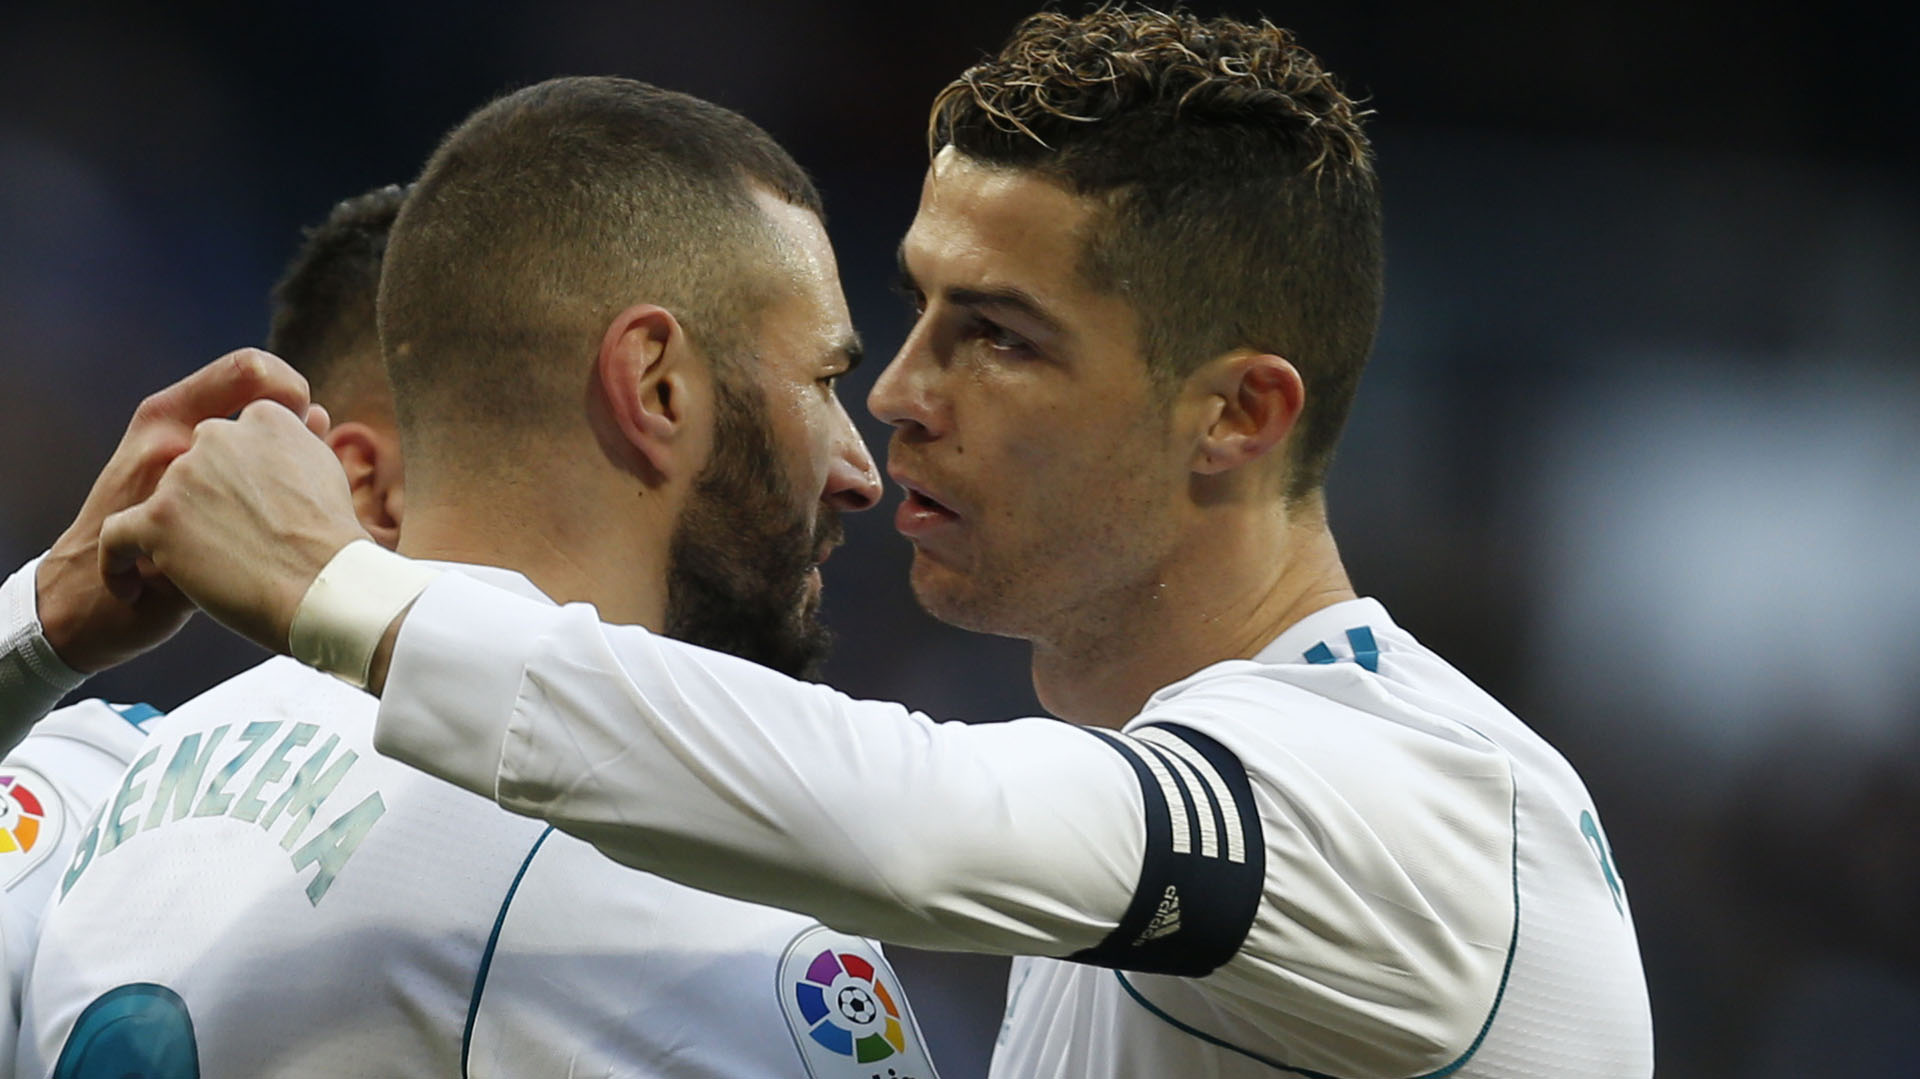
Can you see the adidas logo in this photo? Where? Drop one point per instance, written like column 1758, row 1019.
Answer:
column 1166, row 920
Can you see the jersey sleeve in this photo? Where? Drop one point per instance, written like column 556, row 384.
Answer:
column 1024, row 837
column 1202, row 870
column 1389, row 907
column 32, row 676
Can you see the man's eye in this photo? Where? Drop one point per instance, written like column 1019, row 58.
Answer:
column 999, row 337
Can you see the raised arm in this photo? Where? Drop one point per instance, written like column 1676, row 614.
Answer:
column 60, row 619
column 1029, row 837
column 1141, row 851
column 1021, row 837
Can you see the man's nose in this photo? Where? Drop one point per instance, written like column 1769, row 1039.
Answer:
column 902, row 396
column 853, row 481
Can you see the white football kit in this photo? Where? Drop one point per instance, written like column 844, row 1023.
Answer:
column 50, row 782
column 264, row 896
column 32, row 676
column 1340, row 858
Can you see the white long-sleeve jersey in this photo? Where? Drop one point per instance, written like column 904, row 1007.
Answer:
column 32, row 676
column 263, row 895
column 53, row 778
column 50, row 785
column 1339, row 858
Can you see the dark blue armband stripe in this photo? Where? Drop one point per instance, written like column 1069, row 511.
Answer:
column 1205, row 865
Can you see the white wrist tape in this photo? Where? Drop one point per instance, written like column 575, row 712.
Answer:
column 349, row 606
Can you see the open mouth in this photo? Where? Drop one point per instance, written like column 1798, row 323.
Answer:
column 921, row 514
column 923, row 503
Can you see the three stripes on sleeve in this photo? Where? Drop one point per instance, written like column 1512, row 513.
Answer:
column 1205, row 866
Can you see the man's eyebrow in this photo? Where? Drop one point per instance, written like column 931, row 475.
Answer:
column 1008, row 296
column 853, row 352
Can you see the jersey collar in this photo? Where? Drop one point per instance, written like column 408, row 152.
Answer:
column 1324, row 627
column 498, row 576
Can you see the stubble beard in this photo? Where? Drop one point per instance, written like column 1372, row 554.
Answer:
column 737, row 573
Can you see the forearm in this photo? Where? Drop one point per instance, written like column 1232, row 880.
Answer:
column 33, row 678
column 1019, row 837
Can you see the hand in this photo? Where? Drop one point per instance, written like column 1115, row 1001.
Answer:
column 89, row 627
column 241, row 523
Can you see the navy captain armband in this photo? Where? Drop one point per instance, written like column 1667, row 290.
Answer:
column 1206, row 860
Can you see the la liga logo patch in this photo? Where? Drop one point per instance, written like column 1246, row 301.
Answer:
column 844, row 1006
column 31, row 819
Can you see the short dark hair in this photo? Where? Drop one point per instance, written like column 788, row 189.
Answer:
column 1240, row 203
column 323, row 305
column 546, row 213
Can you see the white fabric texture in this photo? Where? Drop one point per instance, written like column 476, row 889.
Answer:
column 32, row 676
column 317, row 910
column 1434, row 903
column 50, row 786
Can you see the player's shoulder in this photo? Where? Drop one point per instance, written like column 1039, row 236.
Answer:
column 1344, row 678
column 58, row 774
column 116, row 730
column 277, row 688
column 1259, row 710
column 1347, row 707
column 278, row 676
column 596, row 964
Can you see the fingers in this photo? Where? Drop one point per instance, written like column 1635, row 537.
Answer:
column 226, row 385
column 239, row 523
column 101, row 603
column 273, row 415
column 123, row 545
column 318, row 421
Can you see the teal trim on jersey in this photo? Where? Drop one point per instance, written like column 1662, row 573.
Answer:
column 1590, row 829
column 137, row 714
column 1203, row 1035
column 140, row 1029
column 493, row 941
column 1366, row 651
column 1513, row 945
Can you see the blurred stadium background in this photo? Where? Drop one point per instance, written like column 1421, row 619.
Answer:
column 1640, row 447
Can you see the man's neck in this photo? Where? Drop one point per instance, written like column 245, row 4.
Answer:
column 572, row 560
column 1227, row 597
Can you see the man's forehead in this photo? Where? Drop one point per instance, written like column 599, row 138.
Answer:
column 810, row 323
column 798, row 236
column 814, row 301
column 996, row 227
column 995, row 196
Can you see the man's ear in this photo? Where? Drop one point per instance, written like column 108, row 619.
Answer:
column 370, row 456
column 648, row 378
column 1251, row 402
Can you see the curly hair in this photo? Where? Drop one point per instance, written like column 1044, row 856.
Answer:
column 1235, row 185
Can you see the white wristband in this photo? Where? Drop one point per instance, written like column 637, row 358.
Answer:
column 349, row 606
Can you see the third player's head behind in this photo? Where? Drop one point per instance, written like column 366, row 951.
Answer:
column 1147, row 269
column 323, row 325
column 611, row 318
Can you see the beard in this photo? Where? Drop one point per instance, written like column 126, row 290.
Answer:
column 738, row 567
